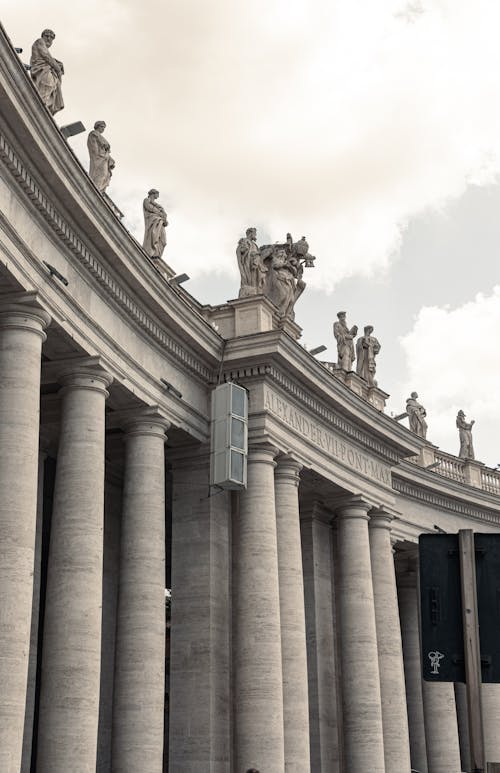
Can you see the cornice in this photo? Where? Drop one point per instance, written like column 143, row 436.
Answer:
column 34, row 151
column 302, row 376
column 317, row 405
column 88, row 260
column 450, row 502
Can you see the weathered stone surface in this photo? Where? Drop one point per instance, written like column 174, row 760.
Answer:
column 47, row 72
column 155, row 222
column 101, row 164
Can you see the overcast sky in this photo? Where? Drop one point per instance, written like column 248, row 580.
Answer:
column 371, row 127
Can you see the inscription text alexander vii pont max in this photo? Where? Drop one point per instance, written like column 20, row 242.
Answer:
column 326, row 440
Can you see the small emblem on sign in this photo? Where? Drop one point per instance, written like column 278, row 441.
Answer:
column 435, row 658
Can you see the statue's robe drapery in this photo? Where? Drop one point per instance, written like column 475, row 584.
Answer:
column 367, row 348
column 46, row 74
column 155, row 221
column 101, row 163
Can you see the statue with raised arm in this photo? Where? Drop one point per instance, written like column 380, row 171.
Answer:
column 367, row 348
column 253, row 272
column 155, row 222
column 465, row 436
column 101, row 164
column 345, row 341
column 286, row 263
column 46, row 72
column 416, row 415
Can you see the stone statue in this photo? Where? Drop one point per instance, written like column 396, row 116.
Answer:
column 416, row 415
column 367, row 348
column 465, row 435
column 282, row 283
column 345, row 341
column 47, row 72
column 155, row 222
column 286, row 263
column 253, row 272
column 101, row 163
column 274, row 270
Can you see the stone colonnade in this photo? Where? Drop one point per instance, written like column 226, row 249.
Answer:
column 69, row 689
column 290, row 650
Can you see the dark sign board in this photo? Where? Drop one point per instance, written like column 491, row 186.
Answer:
column 441, row 607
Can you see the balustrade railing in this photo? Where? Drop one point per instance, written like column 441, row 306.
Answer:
column 450, row 466
column 467, row 471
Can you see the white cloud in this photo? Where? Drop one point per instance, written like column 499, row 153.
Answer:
column 453, row 363
column 336, row 120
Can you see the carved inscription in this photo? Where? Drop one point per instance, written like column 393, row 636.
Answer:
column 327, row 441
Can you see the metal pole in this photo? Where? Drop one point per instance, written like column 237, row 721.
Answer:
column 471, row 647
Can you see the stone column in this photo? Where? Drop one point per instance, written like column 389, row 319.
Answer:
column 257, row 669
column 408, row 612
column 200, row 632
column 139, row 689
column 21, row 337
column 463, row 723
column 390, row 653
column 441, row 727
column 113, row 495
column 69, row 698
column 293, row 630
column 318, row 592
column 362, row 712
column 35, row 615
column 491, row 721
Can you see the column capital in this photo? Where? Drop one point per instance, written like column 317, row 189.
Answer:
column 83, row 373
column 380, row 519
column 143, row 420
column 263, row 453
column 288, row 468
column 354, row 506
column 21, row 311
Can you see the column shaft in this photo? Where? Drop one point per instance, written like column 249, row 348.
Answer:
column 35, row 615
column 491, row 720
column 200, row 632
column 390, row 653
column 139, row 688
column 258, row 683
column 293, row 632
column 71, row 659
column 318, row 590
column 441, row 727
column 463, row 724
column 21, row 337
column 362, row 713
column 408, row 611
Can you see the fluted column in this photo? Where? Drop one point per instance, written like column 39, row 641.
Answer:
column 390, row 653
column 69, row 699
column 293, row 631
column 258, row 683
column 408, row 612
column 318, row 592
column 139, row 687
column 362, row 713
column 441, row 727
column 21, row 338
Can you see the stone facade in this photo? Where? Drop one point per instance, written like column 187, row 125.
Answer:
column 293, row 643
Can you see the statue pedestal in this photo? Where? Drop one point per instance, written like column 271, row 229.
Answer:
column 247, row 316
column 472, row 471
column 377, row 397
column 372, row 394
